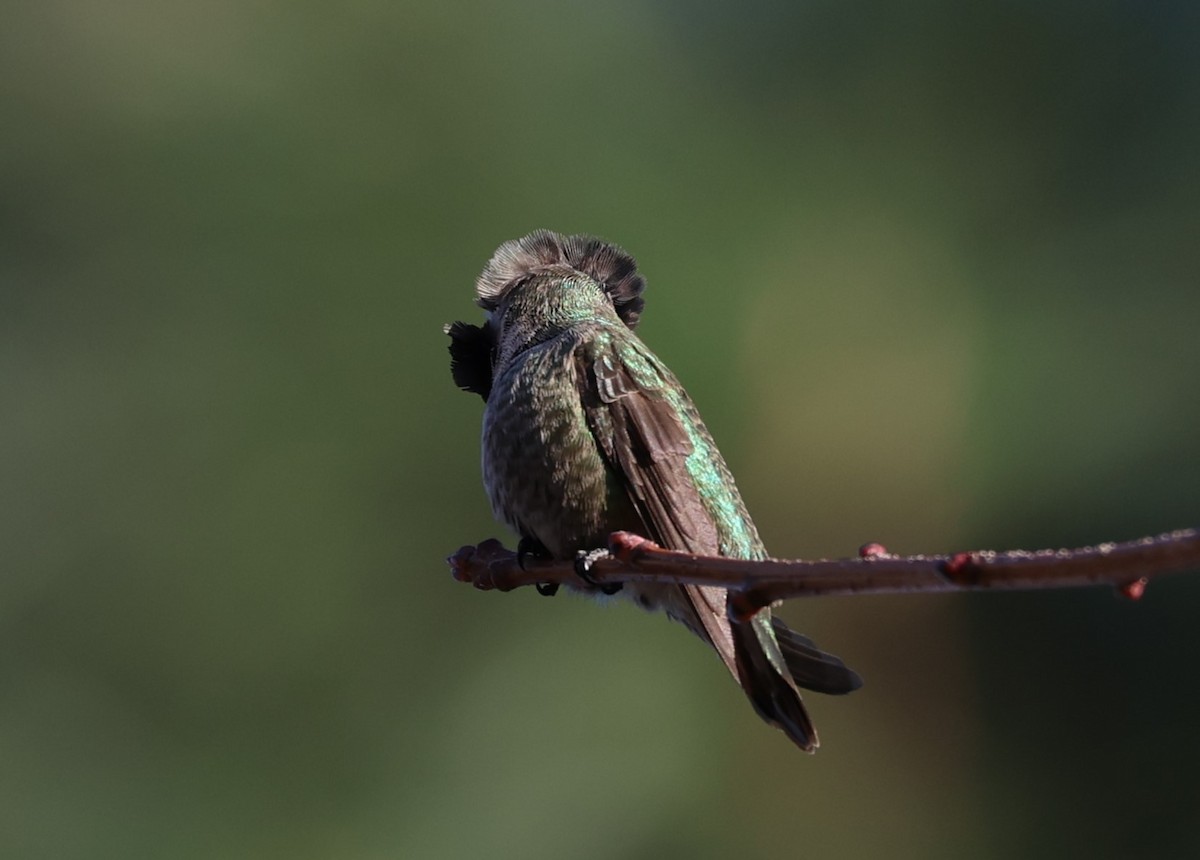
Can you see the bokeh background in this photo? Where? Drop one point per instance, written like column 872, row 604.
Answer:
column 929, row 269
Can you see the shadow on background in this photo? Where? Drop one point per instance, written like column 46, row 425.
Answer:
column 930, row 272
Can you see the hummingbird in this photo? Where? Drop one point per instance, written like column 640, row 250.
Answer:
column 586, row 432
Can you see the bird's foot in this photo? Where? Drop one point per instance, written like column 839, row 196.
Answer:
column 529, row 547
column 584, row 559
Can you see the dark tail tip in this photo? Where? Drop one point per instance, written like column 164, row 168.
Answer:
column 768, row 685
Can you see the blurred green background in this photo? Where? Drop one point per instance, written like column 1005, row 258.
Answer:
column 929, row 270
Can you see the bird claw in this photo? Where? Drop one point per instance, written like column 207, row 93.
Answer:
column 584, row 559
column 531, row 547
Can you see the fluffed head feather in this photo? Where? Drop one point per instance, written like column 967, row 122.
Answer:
column 608, row 264
column 473, row 348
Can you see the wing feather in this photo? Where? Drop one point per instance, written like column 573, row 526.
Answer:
column 646, row 442
column 636, row 412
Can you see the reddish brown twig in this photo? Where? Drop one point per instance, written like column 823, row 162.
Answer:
column 1126, row 566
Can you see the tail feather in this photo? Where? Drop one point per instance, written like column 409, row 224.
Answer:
column 770, row 661
column 812, row 668
column 764, row 676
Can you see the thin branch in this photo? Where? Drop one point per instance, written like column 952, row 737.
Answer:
column 1125, row 566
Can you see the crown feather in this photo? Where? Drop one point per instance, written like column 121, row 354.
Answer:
column 608, row 264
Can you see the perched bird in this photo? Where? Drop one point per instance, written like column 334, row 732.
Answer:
column 586, row 432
